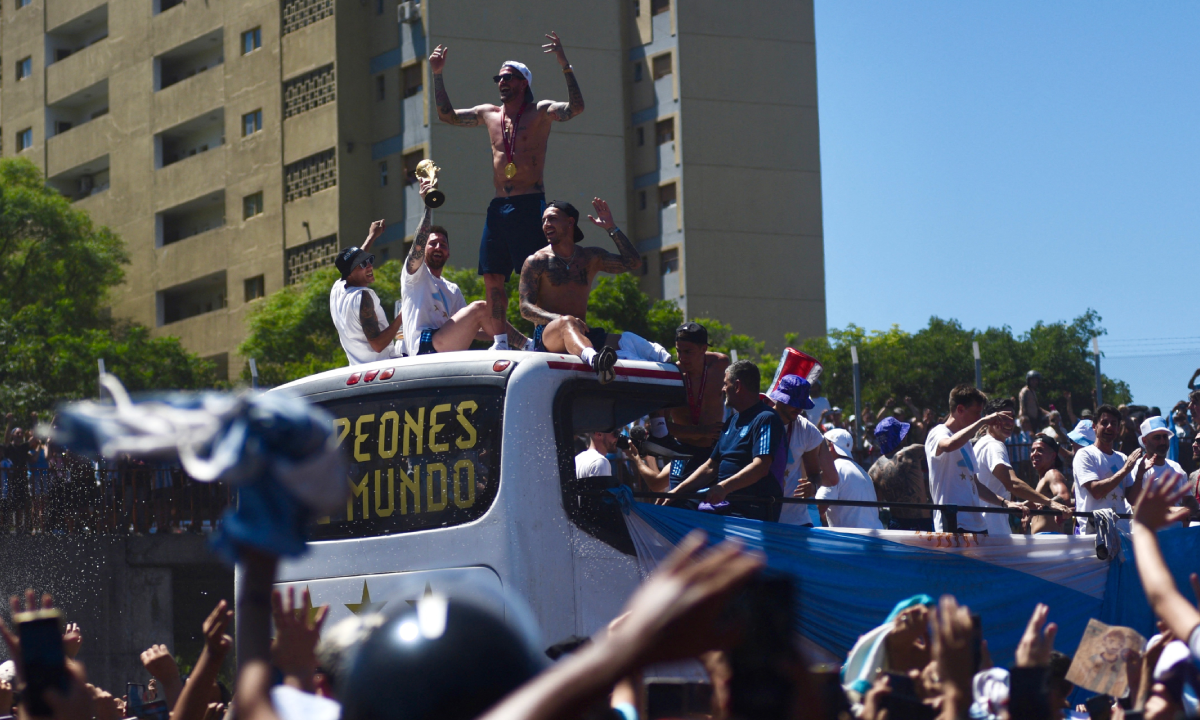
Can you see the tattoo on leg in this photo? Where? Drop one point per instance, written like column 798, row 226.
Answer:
column 499, row 303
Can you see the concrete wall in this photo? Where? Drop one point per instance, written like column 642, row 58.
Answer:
column 125, row 593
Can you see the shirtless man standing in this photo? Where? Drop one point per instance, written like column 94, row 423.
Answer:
column 519, row 130
column 556, row 282
column 697, row 426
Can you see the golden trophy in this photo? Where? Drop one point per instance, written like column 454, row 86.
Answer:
column 426, row 169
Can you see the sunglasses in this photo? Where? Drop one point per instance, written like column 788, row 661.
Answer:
column 511, row 77
column 369, row 260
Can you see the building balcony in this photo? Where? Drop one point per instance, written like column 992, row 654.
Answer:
column 414, row 208
column 190, row 177
column 188, row 99
column 197, row 297
column 84, row 181
column 79, row 145
column 189, row 219
column 61, row 15
column 668, row 159
column 77, row 54
column 412, row 110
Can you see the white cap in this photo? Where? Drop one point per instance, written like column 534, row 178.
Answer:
column 842, row 441
column 8, row 672
column 1174, row 653
column 1152, row 425
column 520, row 67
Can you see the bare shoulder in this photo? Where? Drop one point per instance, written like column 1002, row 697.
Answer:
column 538, row 260
column 489, row 112
column 716, row 361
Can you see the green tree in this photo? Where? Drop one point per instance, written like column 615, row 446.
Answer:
column 57, row 269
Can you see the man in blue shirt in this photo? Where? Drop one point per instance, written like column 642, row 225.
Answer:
column 740, row 464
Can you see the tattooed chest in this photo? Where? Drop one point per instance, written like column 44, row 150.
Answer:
column 561, row 273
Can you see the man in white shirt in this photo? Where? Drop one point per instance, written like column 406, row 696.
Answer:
column 362, row 327
column 1104, row 476
column 435, row 313
column 853, row 484
column 952, row 474
column 1155, row 437
column 803, row 461
column 820, row 404
column 996, row 472
column 593, row 462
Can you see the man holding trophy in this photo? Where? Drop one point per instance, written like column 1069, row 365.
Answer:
column 435, row 315
column 519, row 129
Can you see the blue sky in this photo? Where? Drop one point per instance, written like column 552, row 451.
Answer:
column 1008, row 162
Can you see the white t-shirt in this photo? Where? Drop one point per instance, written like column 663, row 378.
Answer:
column 990, row 454
column 591, row 463
column 1091, row 464
column 803, row 437
column 853, row 484
column 427, row 302
column 819, row 404
column 344, row 303
column 1156, row 471
column 952, row 481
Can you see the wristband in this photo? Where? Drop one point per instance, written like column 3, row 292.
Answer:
column 612, row 232
column 568, row 69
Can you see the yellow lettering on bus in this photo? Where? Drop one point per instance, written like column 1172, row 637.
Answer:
column 435, row 427
column 360, row 489
column 391, row 499
column 459, row 501
column 417, row 428
column 383, row 422
column 344, row 424
column 469, row 441
column 360, row 436
column 440, row 469
column 410, row 485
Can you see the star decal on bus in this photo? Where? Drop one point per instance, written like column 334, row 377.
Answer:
column 365, row 607
column 427, row 593
column 307, row 607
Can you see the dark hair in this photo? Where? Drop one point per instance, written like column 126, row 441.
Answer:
column 746, row 373
column 999, row 404
column 1050, row 443
column 440, row 230
column 528, row 93
column 965, row 394
column 1111, row 410
column 1194, row 396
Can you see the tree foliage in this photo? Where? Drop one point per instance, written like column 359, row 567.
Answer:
column 56, row 271
column 925, row 365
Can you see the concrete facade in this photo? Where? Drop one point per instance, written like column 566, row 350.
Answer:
column 237, row 144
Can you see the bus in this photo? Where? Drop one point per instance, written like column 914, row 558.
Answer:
column 462, row 473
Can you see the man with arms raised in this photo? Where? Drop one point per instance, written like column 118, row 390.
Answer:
column 952, row 478
column 362, row 327
column 434, row 310
column 1104, row 476
column 556, row 282
column 519, row 129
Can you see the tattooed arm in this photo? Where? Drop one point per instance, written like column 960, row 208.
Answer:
column 416, row 254
column 378, row 338
column 562, row 111
column 531, row 277
column 629, row 259
column 445, row 110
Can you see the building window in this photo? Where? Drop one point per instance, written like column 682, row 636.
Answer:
column 658, row 7
column 637, row 71
column 23, row 3
column 413, row 79
column 641, row 200
column 251, row 123
column 302, row 13
column 664, row 131
column 310, row 175
column 255, row 287
column 300, row 261
column 667, row 195
column 668, row 261
column 383, row 174
column 662, row 65
column 637, row 8
column 380, row 87
column 251, row 40
column 308, row 91
column 24, row 68
column 252, row 205
column 410, row 166
column 641, row 136
column 378, row 7
column 25, row 139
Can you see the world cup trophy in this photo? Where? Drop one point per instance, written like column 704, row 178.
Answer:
column 426, row 169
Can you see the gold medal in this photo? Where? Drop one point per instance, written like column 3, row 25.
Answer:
column 510, row 171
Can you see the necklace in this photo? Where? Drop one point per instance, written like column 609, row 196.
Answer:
column 568, row 261
column 510, row 148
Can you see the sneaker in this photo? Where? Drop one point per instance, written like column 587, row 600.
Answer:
column 604, row 362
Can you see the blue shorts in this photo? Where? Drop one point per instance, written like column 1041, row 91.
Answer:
column 426, row 346
column 511, row 233
column 597, row 336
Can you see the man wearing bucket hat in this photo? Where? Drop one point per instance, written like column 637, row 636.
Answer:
column 803, row 460
column 519, row 129
column 362, row 327
column 853, row 484
column 900, row 475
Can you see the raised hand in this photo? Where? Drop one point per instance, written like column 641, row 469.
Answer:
column 1038, row 641
column 554, row 46
column 215, row 639
column 1156, row 506
column 952, row 651
column 426, row 185
column 603, row 216
column 10, row 637
column 375, row 230
column 160, row 663
column 294, row 650
column 437, row 59
column 72, row 640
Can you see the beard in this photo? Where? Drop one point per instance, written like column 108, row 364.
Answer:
column 435, row 262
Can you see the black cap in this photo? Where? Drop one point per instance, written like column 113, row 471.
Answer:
column 571, row 212
column 348, row 259
column 692, row 332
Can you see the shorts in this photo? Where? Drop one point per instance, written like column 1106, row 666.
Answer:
column 511, row 233
column 597, row 336
column 426, row 345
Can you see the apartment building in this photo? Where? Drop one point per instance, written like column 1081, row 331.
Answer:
column 236, row 145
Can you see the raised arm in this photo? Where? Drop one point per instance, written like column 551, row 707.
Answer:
column 416, row 254
column 629, row 258
column 531, row 278
column 445, row 110
column 562, row 111
column 373, row 234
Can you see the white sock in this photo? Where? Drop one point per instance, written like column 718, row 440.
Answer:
column 501, row 342
column 658, row 427
column 588, row 356
column 636, row 347
column 528, row 345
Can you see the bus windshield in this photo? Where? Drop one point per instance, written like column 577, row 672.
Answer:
column 419, row 459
